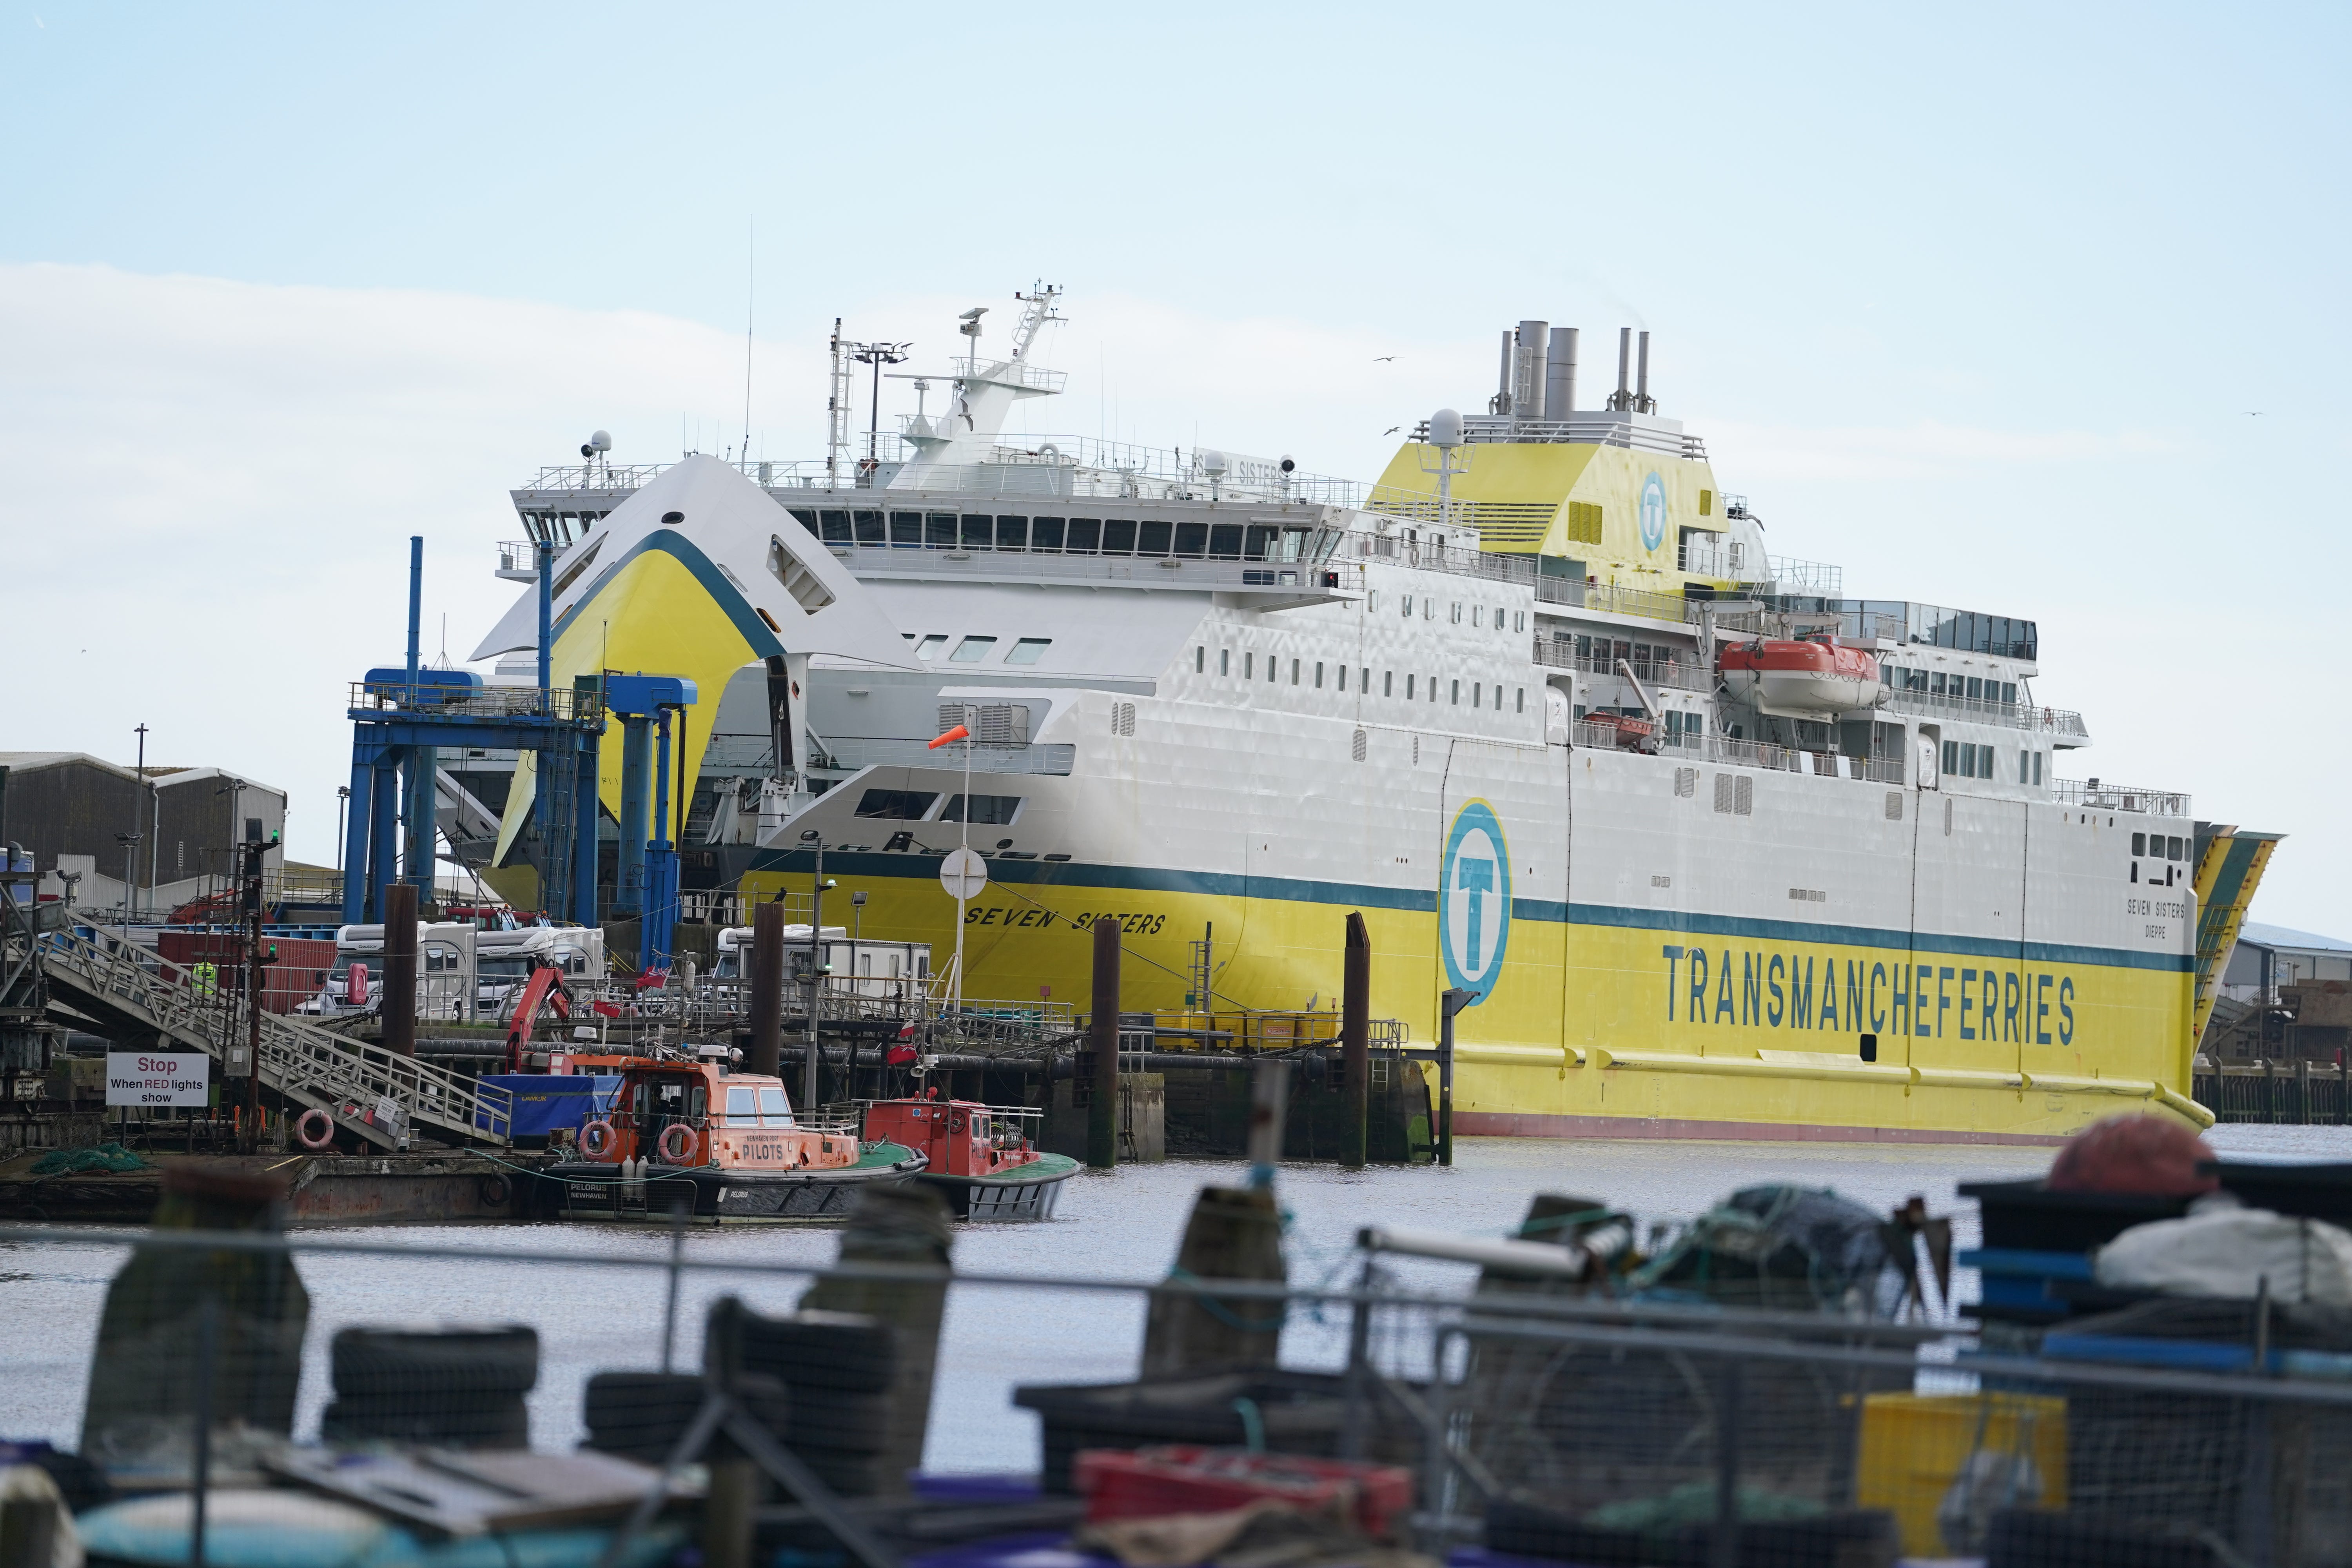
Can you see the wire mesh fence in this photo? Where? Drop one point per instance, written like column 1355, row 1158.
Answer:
column 788, row 1396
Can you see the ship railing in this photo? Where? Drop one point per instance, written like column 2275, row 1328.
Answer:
column 1554, row 653
column 1792, row 759
column 1615, row 599
column 2056, row 721
column 1596, row 428
column 2095, row 795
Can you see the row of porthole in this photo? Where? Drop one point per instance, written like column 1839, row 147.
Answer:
column 1300, row 670
column 1480, row 615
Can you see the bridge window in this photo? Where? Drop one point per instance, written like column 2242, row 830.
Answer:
column 896, row 805
column 1085, row 535
column 1119, row 536
column 979, row 533
column 1011, row 532
column 1226, row 540
column 1191, row 539
column 743, row 1108
column 996, row 810
column 870, row 527
column 774, row 1109
column 1152, row 537
column 1046, row 533
column 833, row 527
column 907, row 529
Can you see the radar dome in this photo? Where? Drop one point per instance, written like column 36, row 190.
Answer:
column 1446, row 429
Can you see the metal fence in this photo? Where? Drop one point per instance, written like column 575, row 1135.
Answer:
column 1542, row 1421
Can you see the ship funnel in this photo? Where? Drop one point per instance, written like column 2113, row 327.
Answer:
column 1624, row 396
column 1559, row 376
column 1527, row 378
column 1446, row 429
column 1642, row 402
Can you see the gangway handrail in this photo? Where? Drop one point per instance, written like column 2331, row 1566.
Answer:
column 300, row 1061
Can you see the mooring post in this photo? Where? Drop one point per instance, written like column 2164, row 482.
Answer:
column 766, row 1054
column 399, row 968
column 1102, row 1114
column 1355, row 1045
column 1449, row 1003
column 1269, row 1109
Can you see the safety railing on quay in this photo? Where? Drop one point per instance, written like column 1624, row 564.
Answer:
column 561, row 704
column 1523, row 1408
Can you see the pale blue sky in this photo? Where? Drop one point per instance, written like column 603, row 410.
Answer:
column 1979, row 302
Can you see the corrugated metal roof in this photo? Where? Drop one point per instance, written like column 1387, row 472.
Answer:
column 2287, row 937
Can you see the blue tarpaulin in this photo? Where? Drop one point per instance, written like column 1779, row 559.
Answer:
column 545, row 1101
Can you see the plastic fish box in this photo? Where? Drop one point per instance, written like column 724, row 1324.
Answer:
column 1150, row 1483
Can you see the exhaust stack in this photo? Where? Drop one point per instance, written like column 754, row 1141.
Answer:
column 1642, row 402
column 1528, row 381
column 1622, row 398
column 1559, row 376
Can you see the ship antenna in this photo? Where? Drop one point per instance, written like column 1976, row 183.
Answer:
column 750, row 255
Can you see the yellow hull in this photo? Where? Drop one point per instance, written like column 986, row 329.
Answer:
column 1594, row 1028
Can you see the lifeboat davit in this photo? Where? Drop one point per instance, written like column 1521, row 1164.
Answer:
column 1813, row 679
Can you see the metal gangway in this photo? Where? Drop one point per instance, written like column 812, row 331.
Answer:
column 378, row 1094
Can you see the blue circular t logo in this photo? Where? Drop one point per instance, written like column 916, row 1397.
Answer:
column 1653, row 513
column 1474, row 899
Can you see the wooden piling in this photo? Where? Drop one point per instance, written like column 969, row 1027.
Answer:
column 1235, row 1233
column 399, row 969
column 905, row 1228
column 1102, row 1114
column 1355, row 1045
column 765, row 1052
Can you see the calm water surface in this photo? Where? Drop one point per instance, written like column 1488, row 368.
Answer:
column 596, row 1315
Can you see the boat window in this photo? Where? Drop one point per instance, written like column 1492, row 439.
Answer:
column 979, row 533
column 1011, row 532
column 1153, row 538
column 1457, row 686
column 833, row 528
column 2008, row 692
column 972, row 650
column 1224, row 540
column 938, row 530
column 742, row 1107
column 1028, row 650
column 1409, row 683
column 1294, row 671
column 774, row 1109
column 1225, row 662
column 1249, row 667
column 1085, row 535
column 870, row 527
column 907, row 529
column 1046, row 533
column 930, row 646
column 2139, row 844
column 1119, row 536
column 997, row 809
column 896, row 805
column 1318, row 675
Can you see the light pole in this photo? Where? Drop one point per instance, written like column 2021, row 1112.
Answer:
column 815, row 840
column 342, row 804
column 142, row 733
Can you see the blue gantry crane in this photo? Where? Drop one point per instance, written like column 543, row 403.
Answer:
column 402, row 718
column 646, row 874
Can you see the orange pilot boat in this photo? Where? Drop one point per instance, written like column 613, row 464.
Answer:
column 975, row 1156
column 683, row 1130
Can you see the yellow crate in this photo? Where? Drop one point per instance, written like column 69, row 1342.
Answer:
column 1914, row 1446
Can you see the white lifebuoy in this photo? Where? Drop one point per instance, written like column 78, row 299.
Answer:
column 596, row 1139
column 323, row 1137
column 678, row 1144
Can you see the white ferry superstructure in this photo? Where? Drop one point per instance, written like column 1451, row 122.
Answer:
column 1538, row 704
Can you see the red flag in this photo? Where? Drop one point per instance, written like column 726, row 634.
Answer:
column 957, row 733
column 900, row 1055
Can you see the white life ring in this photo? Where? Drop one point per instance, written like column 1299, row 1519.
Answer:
column 324, row 1135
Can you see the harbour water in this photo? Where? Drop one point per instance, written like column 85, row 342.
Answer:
column 1123, row 1224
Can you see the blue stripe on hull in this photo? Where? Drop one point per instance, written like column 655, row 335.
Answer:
column 1223, row 884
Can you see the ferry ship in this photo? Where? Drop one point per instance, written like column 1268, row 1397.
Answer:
column 1706, row 846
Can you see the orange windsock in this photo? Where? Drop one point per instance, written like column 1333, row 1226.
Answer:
column 957, row 733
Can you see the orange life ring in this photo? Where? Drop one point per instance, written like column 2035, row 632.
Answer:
column 324, row 1138
column 678, row 1145
column 597, row 1139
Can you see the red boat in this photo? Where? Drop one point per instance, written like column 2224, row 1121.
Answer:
column 1817, row 677
column 685, row 1130
column 975, row 1156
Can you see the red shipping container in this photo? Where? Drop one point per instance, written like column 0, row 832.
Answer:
column 285, row 984
column 1147, row 1483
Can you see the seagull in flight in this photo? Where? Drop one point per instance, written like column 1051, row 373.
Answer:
column 1391, row 429
column 1382, row 358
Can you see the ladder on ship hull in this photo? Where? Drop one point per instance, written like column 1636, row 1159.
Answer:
column 376, row 1094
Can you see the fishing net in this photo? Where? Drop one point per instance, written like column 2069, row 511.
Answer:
column 105, row 1157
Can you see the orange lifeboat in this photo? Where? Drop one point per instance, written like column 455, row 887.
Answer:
column 1812, row 678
